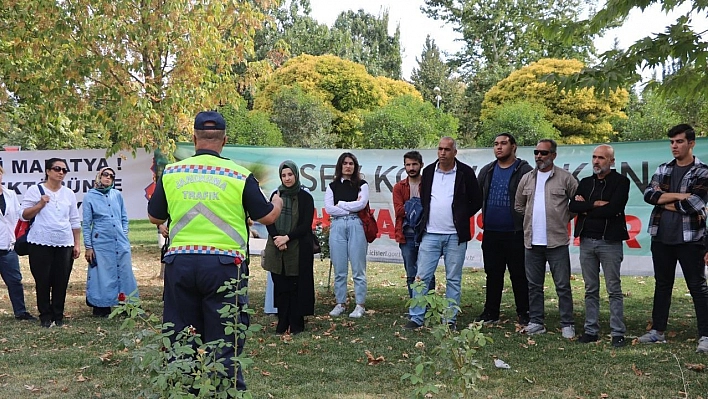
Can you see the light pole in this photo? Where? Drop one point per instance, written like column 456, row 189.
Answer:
column 436, row 89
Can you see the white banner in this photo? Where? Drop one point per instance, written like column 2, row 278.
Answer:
column 134, row 175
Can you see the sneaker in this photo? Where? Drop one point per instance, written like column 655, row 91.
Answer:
column 25, row 316
column 411, row 325
column 587, row 338
column 358, row 312
column 487, row 318
column 619, row 341
column 58, row 323
column 702, row 345
column 46, row 324
column 533, row 328
column 568, row 332
column 338, row 310
column 652, row 336
column 523, row 319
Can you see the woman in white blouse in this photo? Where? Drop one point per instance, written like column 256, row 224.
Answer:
column 53, row 240
column 345, row 196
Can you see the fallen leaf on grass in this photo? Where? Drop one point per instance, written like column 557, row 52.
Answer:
column 604, row 396
column 636, row 370
column 80, row 378
column 699, row 367
column 405, row 355
column 530, row 342
column 265, row 373
column 671, row 334
column 32, row 388
column 371, row 360
column 530, row 381
column 106, row 356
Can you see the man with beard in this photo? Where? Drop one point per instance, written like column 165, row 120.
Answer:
column 543, row 197
column 679, row 192
column 409, row 211
column 599, row 202
column 450, row 195
column 503, row 240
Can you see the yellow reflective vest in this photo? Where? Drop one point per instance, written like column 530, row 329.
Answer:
column 204, row 200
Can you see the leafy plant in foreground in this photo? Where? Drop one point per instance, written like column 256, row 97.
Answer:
column 180, row 364
column 453, row 358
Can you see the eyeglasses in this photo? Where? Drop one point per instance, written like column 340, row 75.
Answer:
column 59, row 169
column 108, row 174
column 542, row 152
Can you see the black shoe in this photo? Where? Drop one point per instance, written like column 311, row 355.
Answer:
column 452, row 325
column 25, row 316
column 523, row 319
column 46, row 324
column 58, row 323
column 411, row 325
column 618, row 341
column 487, row 318
column 587, row 338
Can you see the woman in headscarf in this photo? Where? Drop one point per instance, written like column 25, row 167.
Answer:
column 110, row 276
column 289, row 253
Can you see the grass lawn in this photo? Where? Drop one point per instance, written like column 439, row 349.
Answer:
column 85, row 358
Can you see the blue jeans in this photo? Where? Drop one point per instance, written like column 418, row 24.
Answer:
column 347, row 244
column 409, row 252
column 609, row 254
column 11, row 275
column 559, row 261
column 431, row 248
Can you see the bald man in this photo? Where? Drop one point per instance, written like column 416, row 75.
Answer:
column 599, row 202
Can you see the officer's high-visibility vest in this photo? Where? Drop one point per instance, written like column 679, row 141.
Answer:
column 204, row 199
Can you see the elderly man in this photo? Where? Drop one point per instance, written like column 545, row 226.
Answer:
column 543, row 197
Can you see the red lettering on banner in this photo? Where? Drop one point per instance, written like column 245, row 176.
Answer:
column 634, row 228
column 480, row 224
column 324, row 220
column 386, row 224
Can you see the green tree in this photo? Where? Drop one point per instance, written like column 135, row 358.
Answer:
column 580, row 116
column 648, row 118
column 407, row 122
column 526, row 121
column 250, row 127
column 137, row 69
column 433, row 72
column 345, row 88
column 304, row 119
column 364, row 39
column 679, row 47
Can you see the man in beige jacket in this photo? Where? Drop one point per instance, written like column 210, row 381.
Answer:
column 542, row 198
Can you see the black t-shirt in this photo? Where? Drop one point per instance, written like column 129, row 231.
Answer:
column 671, row 223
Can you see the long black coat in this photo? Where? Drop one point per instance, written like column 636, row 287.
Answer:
column 303, row 233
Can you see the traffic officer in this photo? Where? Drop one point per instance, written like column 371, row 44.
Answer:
column 208, row 199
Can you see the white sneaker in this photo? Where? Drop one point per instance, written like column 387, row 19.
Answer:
column 568, row 332
column 533, row 329
column 338, row 310
column 358, row 312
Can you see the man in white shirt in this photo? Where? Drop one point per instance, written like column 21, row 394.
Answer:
column 543, row 197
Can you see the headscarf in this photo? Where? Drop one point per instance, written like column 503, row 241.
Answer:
column 102, row 188
column 283, row 224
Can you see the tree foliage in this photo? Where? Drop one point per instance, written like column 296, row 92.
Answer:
column 433, row 72
column 304, row 119
column 139, row 70
column 526, row 121
column 356, row 36
column 502, row 33
column 679, row 47
column 580, row 116
column 407, row 122
column 250, row 127
column 345, row 88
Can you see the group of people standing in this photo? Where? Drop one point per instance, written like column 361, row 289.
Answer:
column 526, row 212
column 54, row 244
